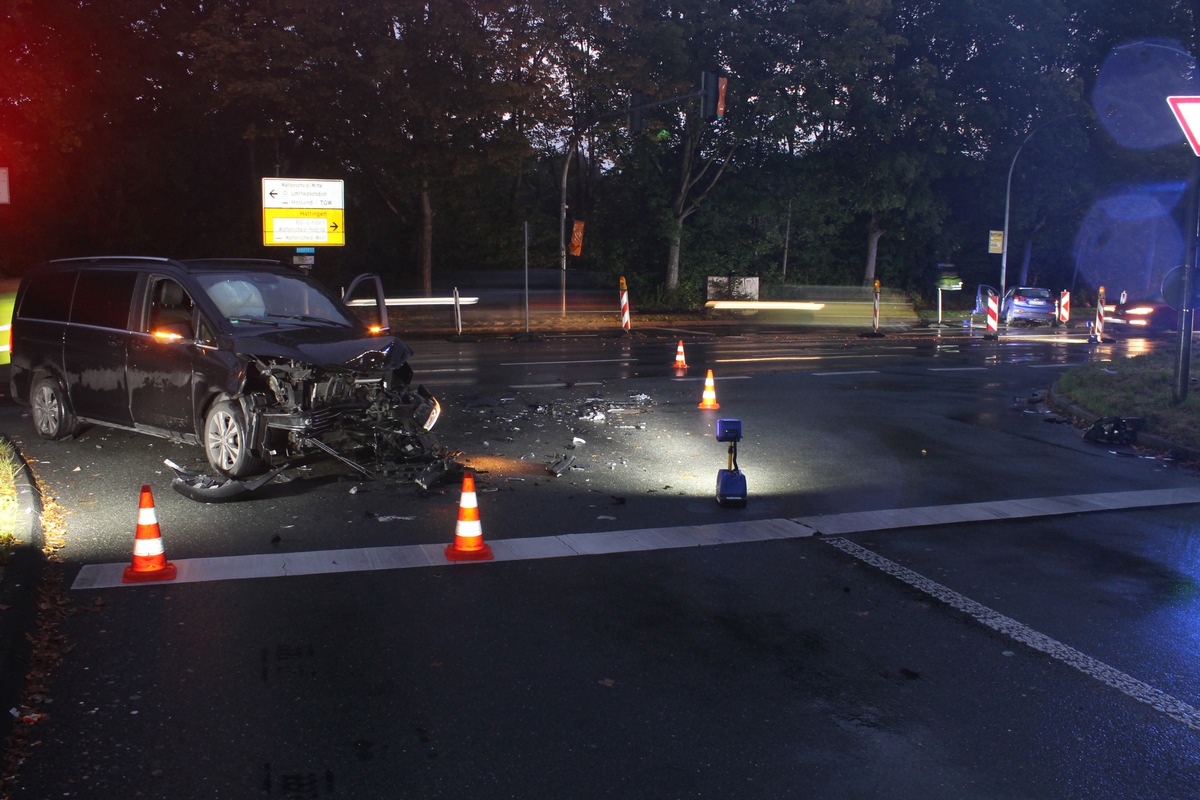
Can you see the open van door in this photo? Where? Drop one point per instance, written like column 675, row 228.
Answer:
column 369, row 280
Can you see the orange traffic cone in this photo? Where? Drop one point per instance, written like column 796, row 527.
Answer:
column 149, row 561
column 709, row 398
column 468, row 533
column 680, row 361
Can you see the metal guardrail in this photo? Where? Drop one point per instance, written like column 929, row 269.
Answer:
column 418, row 301
column 453, row 300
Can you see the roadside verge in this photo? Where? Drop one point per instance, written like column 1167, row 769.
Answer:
column 1176, row 451
column 23, row 574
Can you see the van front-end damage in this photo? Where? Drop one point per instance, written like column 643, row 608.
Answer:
column 363, row 412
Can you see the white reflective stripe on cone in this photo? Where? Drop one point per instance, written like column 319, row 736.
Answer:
column 148, row 547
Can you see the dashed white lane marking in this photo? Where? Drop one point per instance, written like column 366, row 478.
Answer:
column 280, row 565
column 1160, row 701
column 696, row 378
column 555, row 385
column 847, row 372
column 683, row 330
column 562, row 363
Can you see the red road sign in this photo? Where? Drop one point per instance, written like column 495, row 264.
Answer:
column 1187, row 112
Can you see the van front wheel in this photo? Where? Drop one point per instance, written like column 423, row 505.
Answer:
column 51, row 415
column 226, row 443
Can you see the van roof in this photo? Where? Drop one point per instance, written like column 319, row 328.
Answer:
column 185, row 265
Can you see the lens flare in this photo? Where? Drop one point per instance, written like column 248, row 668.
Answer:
column 1132, row 87
column 1128, row 242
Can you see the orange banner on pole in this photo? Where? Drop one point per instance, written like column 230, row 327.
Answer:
column 577, row 238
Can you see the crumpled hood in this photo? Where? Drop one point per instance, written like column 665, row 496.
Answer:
column 331, row 348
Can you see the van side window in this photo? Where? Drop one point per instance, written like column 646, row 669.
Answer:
column 48, row 296
column 103, row 298
column 205, row 334
column 169, row 305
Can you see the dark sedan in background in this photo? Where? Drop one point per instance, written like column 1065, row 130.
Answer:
column 1028, row 304
column 1145, row 315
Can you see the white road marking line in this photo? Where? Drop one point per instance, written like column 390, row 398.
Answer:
column 925, row 516
column 956, row 369
column 848, row 372
column 682, row 330
column 1110, row 676
column 557, row 385
column 561, row 363
column 278, row 565
column 765, row 357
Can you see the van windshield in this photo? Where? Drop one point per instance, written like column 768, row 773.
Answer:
column 271, row 298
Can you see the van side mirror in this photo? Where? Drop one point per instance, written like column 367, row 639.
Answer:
column 172, row 333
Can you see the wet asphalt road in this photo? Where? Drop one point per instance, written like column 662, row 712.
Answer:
column 763, row 670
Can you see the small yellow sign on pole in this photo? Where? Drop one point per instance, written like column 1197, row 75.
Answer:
column 996, row 241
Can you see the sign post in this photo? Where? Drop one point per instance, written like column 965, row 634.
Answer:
column 1187, row 113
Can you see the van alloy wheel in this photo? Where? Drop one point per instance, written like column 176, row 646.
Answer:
column 226, row 444
column 48, row 406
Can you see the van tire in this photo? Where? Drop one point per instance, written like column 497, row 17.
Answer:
column 51, row 413
column 227, row 443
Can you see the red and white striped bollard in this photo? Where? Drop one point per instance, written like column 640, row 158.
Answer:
column 624, row 306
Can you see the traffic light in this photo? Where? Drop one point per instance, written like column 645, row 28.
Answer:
column 712, row 95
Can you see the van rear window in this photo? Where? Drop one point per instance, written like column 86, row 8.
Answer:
column 48, row 296
column 103, row 297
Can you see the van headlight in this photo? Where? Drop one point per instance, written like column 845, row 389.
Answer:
column 431, row 409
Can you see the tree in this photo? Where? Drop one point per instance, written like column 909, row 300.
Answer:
column 862, row 138
column 671, row 44
column 410, row 97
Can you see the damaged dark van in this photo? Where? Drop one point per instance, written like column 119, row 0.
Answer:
column 253, row 360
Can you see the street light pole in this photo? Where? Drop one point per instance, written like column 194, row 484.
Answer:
column 1007, row 205
column 562, row 221
column 1008, row 198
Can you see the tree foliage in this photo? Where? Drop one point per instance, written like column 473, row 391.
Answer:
column 862, row 139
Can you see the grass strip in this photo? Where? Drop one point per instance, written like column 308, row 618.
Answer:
column 1140, row 386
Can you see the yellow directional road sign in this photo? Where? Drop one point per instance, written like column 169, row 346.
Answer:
column 304, row 226
column 303, row 211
